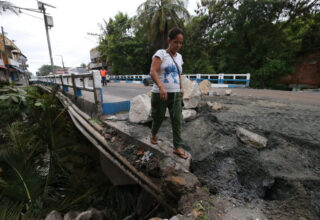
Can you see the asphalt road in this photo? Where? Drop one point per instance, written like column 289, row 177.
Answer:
column 117, row 92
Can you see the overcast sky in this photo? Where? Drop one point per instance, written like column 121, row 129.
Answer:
column 73, row 19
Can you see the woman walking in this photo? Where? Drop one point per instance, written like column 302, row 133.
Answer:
column 167, row 92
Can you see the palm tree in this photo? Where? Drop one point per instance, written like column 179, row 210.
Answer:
column 5, row 5
column 159, row 16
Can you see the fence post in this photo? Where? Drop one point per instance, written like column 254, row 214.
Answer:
column 58, row 82
column 222, row 78
column 85, row 82
column 248, row 79
column 77, row 81
column 198, row 78
column 97, row 90
column 62, row 85
column 74, row 87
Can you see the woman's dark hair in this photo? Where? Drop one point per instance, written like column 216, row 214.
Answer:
column 174, row 32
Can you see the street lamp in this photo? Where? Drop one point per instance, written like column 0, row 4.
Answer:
column 62, row 63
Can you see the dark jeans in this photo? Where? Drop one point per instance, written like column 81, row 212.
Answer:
column 158, row 111
column 104, row 81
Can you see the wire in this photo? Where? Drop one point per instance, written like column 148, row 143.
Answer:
column 27, row 9
column 31, row 15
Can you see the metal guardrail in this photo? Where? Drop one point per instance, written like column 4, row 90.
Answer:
column 77, row 82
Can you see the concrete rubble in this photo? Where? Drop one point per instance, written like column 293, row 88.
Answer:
column 205, row 87
column 91, row 214
column 251, row 138
column 140, row 109
column 215, row 106
column 71, row 215
column 228, row 92
column 191, row 97
column 54, row 215
column 188, row 114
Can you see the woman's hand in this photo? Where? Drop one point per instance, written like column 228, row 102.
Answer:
column 163, row 93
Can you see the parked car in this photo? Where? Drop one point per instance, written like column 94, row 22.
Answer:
column 147, row 81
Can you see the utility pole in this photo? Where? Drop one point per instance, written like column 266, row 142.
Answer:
column 5, row 61
column 43, row 9
column 62, row 63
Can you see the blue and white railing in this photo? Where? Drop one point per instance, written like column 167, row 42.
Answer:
column 217, row 80
column 222, row 80
column 77, row 82
column 127, row 78
column 90, row 82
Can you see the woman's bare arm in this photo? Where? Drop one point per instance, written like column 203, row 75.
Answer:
column 155, row 67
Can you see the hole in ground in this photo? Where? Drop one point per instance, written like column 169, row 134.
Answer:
column 280, row 190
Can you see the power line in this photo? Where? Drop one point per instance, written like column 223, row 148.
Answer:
column 27, row 9
column 31, row 15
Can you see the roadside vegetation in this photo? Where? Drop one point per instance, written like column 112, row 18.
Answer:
column 46, row 164
column 264, row 38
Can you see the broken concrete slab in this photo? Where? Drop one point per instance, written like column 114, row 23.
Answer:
column 141, row 135
column 192, row 102
column 188, row 114
column 192, row 93
column 182, row 183
column 228, row 92
column 251, row 139
column 205, row 87
column 214, row 92
column 215, row 106
column 54, row 215
column 140, row 109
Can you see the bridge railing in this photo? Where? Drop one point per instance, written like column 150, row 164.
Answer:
column 222, row 80
column 128, row 78
column 217, row 80
column 90, row 82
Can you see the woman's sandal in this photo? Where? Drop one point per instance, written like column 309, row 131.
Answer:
column 181, row 154
column 153, row 139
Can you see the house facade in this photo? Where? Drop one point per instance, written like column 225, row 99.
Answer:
column 13, row 63
column 307, row 72
column 97, row 61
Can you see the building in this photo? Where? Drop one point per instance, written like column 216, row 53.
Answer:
column 13, row 63
column 62, row 70
column 97, row 61
column 307, row 74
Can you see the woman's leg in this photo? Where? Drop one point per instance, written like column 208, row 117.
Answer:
column 158, row 111
column 175, row 110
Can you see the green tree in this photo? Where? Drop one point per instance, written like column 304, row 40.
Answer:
column 8, row 6
column 159, row 16
column 252, row 36
column 124, row 47
column 196, row 49
column 46, row 69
